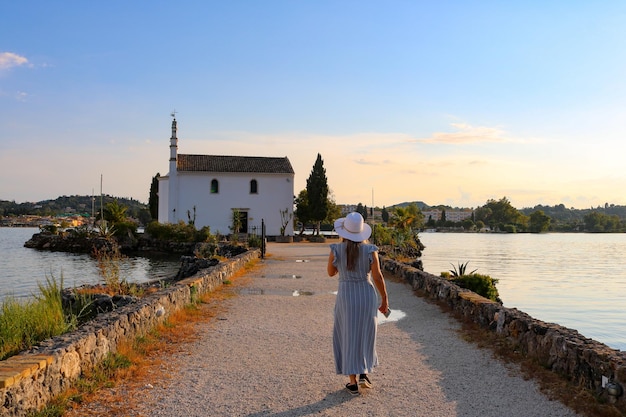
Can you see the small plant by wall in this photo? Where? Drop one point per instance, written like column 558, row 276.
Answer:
column 482, row 285
column 461, row 271
column 254, row 241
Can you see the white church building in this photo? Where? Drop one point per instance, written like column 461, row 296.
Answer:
column 208, row 189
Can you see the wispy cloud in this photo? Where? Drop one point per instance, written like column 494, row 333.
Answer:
column 477, row 162
column 467, row 134
column 9, row 60
column 21, row 96
column 371, row 162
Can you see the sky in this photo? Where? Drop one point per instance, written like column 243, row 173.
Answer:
column 445, row 102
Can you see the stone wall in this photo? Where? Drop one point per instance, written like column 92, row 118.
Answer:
column 30, row 380
column 585, row 362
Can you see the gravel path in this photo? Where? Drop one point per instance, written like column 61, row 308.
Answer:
column 270, row 354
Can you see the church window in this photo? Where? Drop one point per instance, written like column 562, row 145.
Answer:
column 215, row 187
column 253, row 187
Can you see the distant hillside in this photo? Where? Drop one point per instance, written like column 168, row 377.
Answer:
column 560, row 213
column 420, row 204
column 75, row 204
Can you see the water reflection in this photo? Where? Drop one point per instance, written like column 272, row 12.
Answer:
column 283, row 276
column 264, row 291
column 298, row 293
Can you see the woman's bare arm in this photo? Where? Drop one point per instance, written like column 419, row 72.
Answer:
column 379, row 282
column 332, row 270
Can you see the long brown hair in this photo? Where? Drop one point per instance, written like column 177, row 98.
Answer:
column 352, row 254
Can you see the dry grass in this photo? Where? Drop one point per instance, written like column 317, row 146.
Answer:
column 120, row 390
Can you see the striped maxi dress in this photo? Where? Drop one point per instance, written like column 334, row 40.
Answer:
column 356, row 310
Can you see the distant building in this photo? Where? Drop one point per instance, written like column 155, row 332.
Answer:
column 451, row 215
column 458, row 215
column 208, row 189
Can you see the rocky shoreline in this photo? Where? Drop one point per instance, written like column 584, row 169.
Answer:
column 81, row 243
column 101, row 301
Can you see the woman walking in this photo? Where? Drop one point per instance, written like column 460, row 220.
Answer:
column 356, row 308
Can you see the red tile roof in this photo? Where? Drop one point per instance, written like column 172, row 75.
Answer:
column 220, row 163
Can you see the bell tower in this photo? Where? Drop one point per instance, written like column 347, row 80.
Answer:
column 172, row 197
column 173, row 145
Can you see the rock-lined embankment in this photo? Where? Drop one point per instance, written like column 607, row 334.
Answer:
column 585, row 362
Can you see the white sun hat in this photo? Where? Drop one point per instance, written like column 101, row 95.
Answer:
column 352, row 227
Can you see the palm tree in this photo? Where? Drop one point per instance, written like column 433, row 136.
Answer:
column 407, row 218
column 114, row 212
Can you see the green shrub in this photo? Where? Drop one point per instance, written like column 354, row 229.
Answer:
column 206, row 250
column 183, row 232
column 381, row 235
column 254, row 241
column 401, row 245
column 509, row 228
column 204, row 235
column 482, row 285
column 169, row 232
column 124, row 229
column 51, row 229
column 156, row 230
column 81, row 232
column 179, row 232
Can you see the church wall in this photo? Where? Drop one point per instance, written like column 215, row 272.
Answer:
column 163, row 199
column 275, row 193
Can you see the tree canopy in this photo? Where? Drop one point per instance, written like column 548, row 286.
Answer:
column 539, row 222
column 498, row 214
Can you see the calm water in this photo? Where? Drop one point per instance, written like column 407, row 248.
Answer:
column 576, row 280
column 22, row 268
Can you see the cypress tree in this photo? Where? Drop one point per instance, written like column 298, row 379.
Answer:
column 385, row 214
column 317, row 192
column 153, row 199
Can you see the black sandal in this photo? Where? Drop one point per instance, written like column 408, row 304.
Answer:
column 364, row 381
column 352, row 388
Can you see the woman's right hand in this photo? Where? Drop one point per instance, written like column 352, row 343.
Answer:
column 384, row 306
